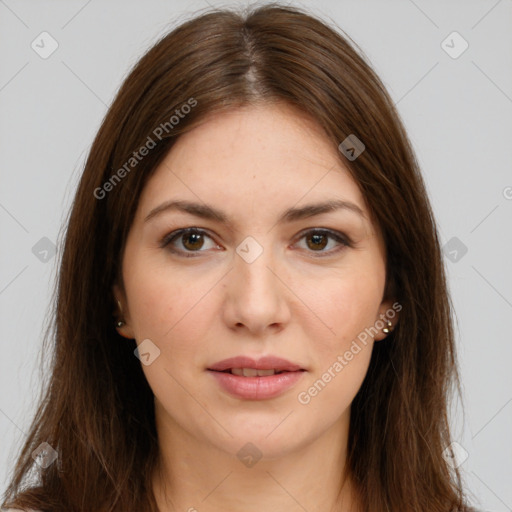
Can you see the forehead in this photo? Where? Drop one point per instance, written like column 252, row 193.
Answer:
column 260, row 157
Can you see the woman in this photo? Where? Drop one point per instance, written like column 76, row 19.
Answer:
column 252, row 311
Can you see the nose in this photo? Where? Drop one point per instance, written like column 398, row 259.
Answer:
column 257, row 298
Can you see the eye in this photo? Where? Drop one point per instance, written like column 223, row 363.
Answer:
column 318, row 239
column 190, row 239
column 187, row 241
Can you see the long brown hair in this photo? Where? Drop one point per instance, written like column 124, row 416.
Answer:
column 97, row 410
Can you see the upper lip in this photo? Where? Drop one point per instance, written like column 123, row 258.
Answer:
column 264, row 363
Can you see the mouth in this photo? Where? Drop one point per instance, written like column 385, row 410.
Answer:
column 253, row 372
column 249, row 379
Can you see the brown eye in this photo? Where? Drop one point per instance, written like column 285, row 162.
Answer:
column 318, row 241
column 192, row 241
column 188, row 241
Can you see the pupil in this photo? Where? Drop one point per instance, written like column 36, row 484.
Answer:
column 317, row 240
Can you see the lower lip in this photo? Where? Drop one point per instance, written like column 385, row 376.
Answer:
column 257, row 388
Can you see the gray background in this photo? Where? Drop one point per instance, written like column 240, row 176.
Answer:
column 457, row 112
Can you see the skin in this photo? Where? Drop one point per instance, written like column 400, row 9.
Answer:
column 252, row 163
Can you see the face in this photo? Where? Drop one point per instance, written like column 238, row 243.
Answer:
column 257, row 274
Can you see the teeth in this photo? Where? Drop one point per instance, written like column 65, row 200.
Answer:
column 264, row 373
column 251, row 372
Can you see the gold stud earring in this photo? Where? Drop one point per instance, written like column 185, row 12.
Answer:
column 388, row 329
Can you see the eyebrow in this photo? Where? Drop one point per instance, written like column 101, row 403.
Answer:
column 208, row 212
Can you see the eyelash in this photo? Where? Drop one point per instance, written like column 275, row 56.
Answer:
column 338, row 237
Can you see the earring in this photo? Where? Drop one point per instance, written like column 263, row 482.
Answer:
column 120, row 323
column 388, row 329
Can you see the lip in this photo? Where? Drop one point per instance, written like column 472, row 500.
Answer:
column 256, row 388
column 264, row 363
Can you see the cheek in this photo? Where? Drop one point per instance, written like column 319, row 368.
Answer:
column 175, row 311
column 349, row 305
column 172, row 311
column 346, row 305
column 163, row 303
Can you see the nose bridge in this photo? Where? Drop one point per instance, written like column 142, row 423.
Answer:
column 252, row 264
column 256, row 294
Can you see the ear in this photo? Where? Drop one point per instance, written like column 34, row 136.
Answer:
column 121, row 313
column 389, row 311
